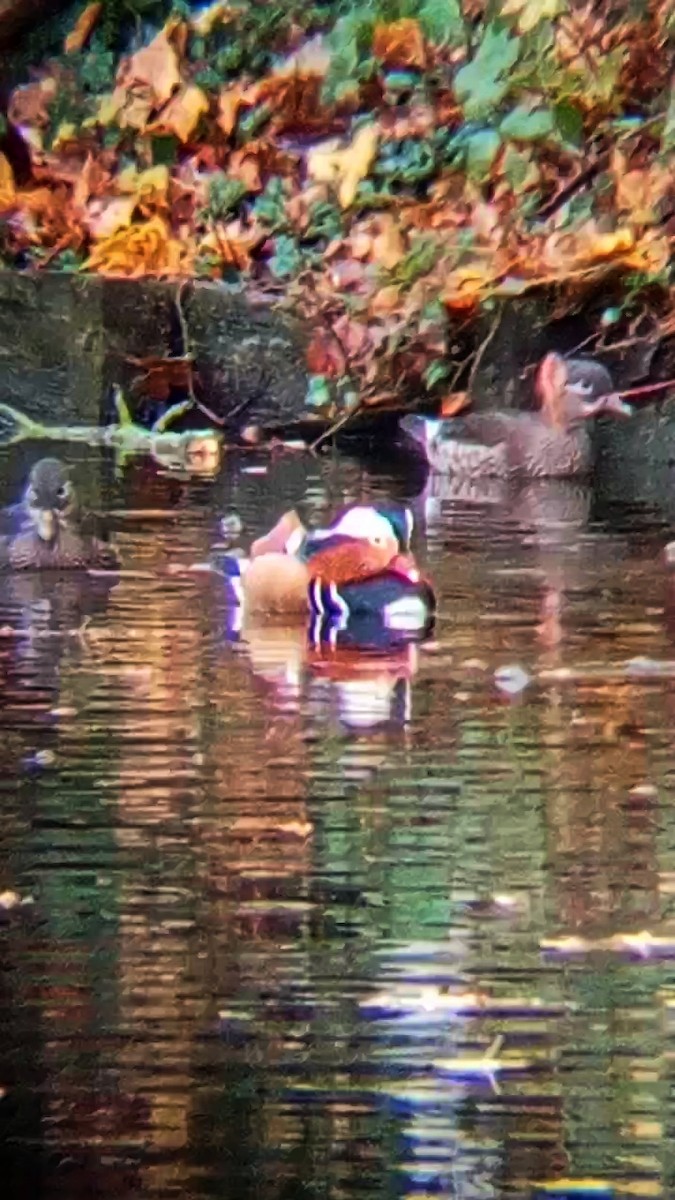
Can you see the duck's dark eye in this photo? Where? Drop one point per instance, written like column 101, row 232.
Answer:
column 63, row 492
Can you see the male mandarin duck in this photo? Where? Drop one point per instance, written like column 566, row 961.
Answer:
column 44, row 529
column 553, row 442
column 359, row 564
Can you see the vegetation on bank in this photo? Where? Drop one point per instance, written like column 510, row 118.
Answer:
column 389, row 170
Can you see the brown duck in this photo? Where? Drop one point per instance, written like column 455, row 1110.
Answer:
column 553, row 442
column 45, row 530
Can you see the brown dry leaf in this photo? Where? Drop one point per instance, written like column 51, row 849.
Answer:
column 142, row 249
column 400, row 44
column 155, row 66
column 639, row 192
column 345, row 168
column 230, row 101
column 7, row 185
column 181, row 115
column 388, row 246
column 83, row 185
column 83, row 28
column 29, row 105
column 385, row 301
column 652, row 254
column 453, row 403
column 232, row 243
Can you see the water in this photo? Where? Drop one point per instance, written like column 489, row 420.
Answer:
column 288, row 906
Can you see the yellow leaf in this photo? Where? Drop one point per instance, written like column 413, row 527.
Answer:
column 388, row 247
column 108, row 108
column 66, row 132
column 182, row 113
column 144, row 183
column 463, row 286
column 400, row 43
column 7, row 184
column 651, row 254
column 344, row 168
column 531, row 12
column 82, row 29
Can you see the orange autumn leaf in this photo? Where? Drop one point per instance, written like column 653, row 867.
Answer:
column 453, row 403
column 400, row 44
column 219, row 13
column 142, row 249
column 181, row 115
column 230, row 101
column 324, row 355
column 83, row 28
column 463, row 287
column 7, row 185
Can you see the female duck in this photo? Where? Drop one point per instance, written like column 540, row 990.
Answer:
column 551, row 443
column 43, row 531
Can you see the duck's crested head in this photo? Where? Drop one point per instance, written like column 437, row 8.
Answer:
column 49, row 496
column 571, row 390
column 381, row 524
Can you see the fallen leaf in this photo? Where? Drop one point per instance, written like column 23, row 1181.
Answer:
column 464, row 286
column 639, row 192
column 345, row 168
column 385, row 301
column 83, row 28
column 142, row 249
column 7, row 185
column 388, row 246
column 29, row 105
column 531, row 12
column 145, row 185
column 103, row 220
column 155, row 66
column 453, row 403
column 400, row 44
column 324, row 355
column 230, row 101
column 181, row 115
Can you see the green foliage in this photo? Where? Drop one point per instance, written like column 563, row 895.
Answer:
column 287, row 259
column 442, row 22
column 270, row 206
column 419, row 260
column 437, row 372
column 406, row 161
column 325, row 222
column 527, row 124
column 223, row 196
column 482, row 84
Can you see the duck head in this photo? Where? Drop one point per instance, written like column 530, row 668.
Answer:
column 49, row 498
column 575, row 389
column 381, row 524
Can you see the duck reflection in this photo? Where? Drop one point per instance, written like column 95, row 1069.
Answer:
column 361, row 676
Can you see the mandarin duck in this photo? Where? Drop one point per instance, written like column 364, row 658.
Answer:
column 553, row 442
column 46, row 526
column 359, row 564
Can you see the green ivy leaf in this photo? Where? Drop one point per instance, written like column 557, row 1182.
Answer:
column 481, row 150
column 442, row 23
column 569, row 123
column 287, row 259
column 481, row 84
column 519, row 169
column 270, row 206
column 436, row 372
column 525, row 124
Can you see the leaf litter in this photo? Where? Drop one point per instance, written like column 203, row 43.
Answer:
column 391, row 173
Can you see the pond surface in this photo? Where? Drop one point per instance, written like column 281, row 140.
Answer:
column 298, row 918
